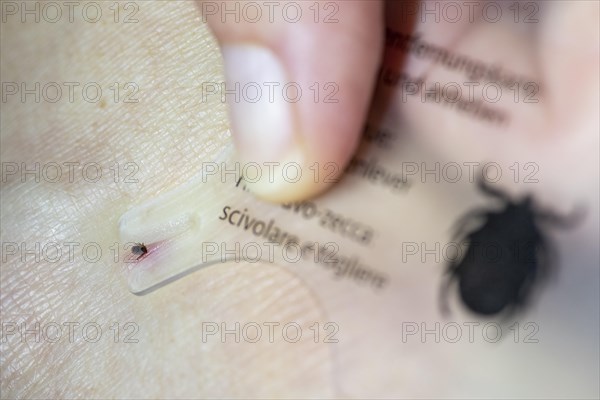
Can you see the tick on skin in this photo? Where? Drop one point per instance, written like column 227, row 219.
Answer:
column 139, row 249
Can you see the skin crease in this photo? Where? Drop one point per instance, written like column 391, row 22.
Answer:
column 168, row 54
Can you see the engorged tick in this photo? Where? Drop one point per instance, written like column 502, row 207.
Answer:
column 506, row 255
column 139, row 249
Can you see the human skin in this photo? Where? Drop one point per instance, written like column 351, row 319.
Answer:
column 166, row 134
column 158, row 135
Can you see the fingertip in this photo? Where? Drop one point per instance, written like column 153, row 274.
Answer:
column 298, row 95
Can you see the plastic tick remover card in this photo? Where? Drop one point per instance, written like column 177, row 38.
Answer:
column 398, row 229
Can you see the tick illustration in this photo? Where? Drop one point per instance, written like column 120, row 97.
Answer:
column 139, row 249
column 506, row 254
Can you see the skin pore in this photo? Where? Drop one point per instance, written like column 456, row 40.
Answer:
column 168, row 54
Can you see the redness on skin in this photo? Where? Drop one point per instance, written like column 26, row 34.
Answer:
column 140, row 250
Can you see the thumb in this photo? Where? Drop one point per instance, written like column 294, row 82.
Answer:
column 299, row 78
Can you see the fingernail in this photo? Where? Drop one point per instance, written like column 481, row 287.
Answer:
column 263, row 121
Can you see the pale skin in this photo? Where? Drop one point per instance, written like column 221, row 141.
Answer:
column 167, row 54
